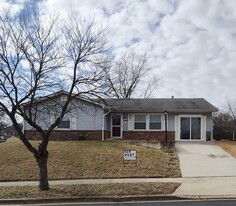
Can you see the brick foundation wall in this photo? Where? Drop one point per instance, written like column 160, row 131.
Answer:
column 97, row 135
column 149, row 135
column 69, row 135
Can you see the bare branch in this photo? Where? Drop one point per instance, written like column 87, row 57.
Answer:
column 126, row 76
column 38, row 58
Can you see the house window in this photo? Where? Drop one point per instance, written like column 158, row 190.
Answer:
column 65, row 123
column 63, row 98
column 155, row 122
column 140, row 121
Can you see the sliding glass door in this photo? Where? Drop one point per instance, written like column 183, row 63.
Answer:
column 195, row 128
column 185, row 128
column 190, row 128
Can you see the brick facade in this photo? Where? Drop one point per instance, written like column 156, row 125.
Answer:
column 149, row 135
column 69, row 135
column 97, row 135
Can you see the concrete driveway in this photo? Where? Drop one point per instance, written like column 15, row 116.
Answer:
column 204, row 159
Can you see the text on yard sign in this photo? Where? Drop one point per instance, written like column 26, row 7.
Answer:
column 130, row 155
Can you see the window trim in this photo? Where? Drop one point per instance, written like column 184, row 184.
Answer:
column 60, row 128
column 140, row 122
column 191, row 116
column 147, row 115
column 161, row 115
column 121, row 126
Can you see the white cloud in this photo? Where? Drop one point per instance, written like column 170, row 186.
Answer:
column 200, row 62
column 191, row 43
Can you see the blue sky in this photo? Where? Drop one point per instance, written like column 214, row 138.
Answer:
column 191, row 44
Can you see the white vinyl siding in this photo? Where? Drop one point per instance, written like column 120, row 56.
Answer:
column 73, row 121
column 203, row 126
column 177, row 127
column 83, row 116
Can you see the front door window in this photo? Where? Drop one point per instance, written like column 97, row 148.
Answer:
column 116, row 125
column 190, row 128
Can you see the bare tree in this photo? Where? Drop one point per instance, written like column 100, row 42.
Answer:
column 127, row 75
column 232, row 112
column 223, row 125
column 39, row 56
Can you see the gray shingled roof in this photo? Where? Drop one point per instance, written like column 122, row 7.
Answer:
column 160, row 105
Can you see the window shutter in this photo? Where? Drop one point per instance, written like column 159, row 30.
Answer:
column 203, row 128
column 177, row 127
column 130, row 122
column 73, row 121
column 163, row 123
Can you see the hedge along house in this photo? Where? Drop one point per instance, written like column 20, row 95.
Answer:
column 128, row 119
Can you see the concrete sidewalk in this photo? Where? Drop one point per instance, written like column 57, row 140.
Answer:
column 204, row 186
column 90, row 181
column 207, row 186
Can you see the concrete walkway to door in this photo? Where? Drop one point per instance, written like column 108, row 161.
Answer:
column 204, row 159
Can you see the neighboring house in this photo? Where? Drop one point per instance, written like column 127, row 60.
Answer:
column 129, row 119
column 10, row 131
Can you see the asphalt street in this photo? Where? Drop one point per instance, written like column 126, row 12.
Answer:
column 156, row 203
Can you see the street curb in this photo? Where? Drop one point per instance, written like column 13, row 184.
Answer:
column 91, row 199
column 115, row 199
column 208, row 197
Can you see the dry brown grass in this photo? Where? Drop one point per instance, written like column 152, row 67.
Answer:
column 228, row 146
column 89, row 190
column 85, row 159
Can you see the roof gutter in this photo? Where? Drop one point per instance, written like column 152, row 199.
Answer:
column 169, row 110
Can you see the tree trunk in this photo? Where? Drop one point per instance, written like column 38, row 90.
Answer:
column 42, row 161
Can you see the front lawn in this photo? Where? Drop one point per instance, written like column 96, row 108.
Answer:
column 228, row 146
column 62, row 191
column 85, row 159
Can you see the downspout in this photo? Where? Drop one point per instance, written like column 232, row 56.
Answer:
column 212, row 125
column 165, row 113
column 103, row 125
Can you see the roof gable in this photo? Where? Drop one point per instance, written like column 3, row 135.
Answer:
column 62, row 93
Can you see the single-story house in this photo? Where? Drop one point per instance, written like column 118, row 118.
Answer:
column 128, row 119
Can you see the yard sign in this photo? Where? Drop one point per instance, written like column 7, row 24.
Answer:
column 130, row 156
